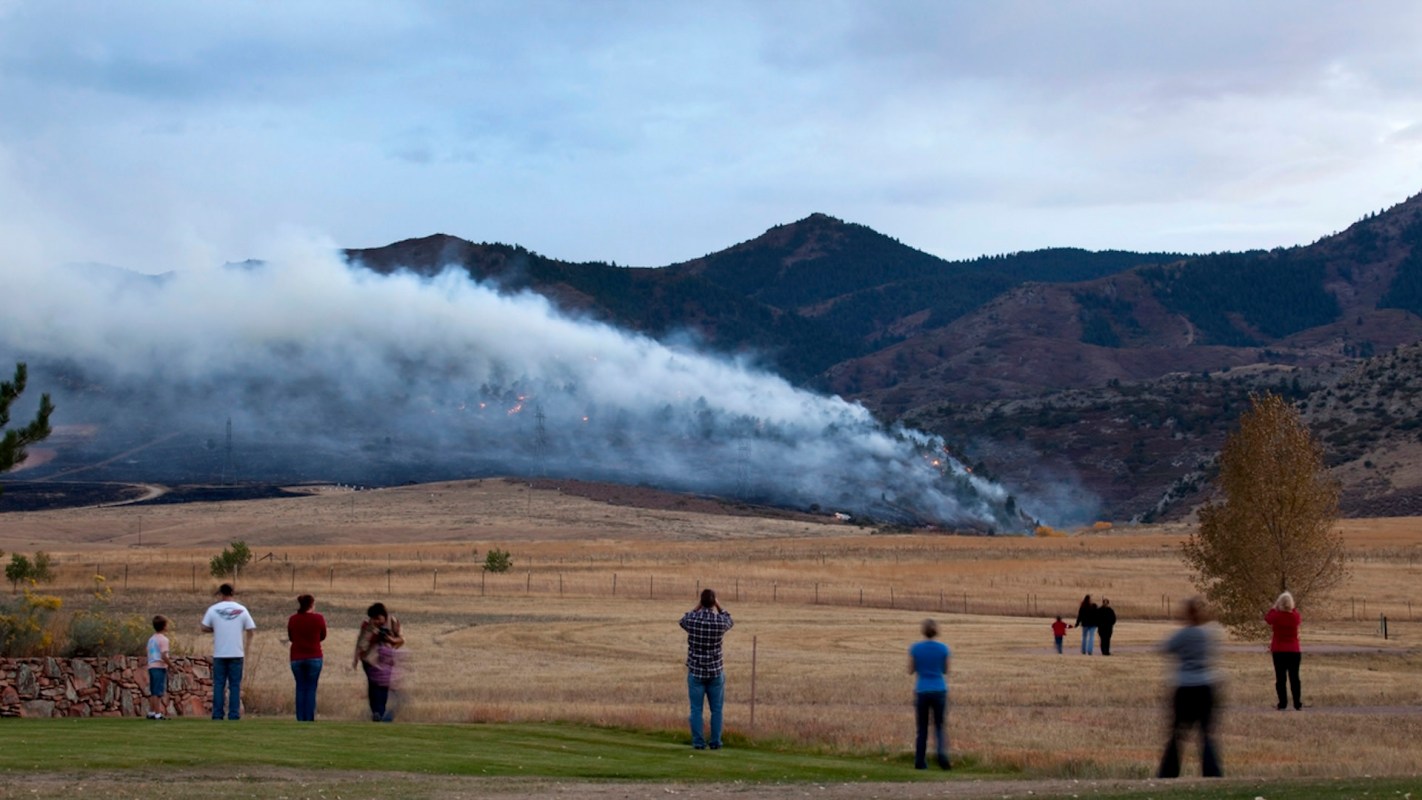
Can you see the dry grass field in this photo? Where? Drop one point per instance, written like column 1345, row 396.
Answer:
column 584, row 625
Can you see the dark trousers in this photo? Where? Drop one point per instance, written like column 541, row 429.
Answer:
column 926, row 705
column 1105, row 634
column 1193, row 706
column 377, row 693
column 1286, row 666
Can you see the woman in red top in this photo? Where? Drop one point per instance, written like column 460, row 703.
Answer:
column 1284, row 647
column 306, row 629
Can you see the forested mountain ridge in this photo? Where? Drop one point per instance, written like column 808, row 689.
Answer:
column 1124, row 370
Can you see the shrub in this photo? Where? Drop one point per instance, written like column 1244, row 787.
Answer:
column 25, row 625
column 98, row 631
column 497, row 560
column 231, row 560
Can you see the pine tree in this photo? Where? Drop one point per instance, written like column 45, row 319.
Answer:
column 14, row 442
column 1274, row 530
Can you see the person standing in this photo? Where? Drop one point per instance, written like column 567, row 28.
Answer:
column 705, row 626
column 231, row 626
column 1086, row 620
column 379, row 636
column 928, row 660
column 306, row 630
column 1059, row 629
column 1284, row 648
column 1193, row 702
column 159, row 660
column 1105, row 625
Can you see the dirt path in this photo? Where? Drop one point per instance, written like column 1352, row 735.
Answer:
column 245, row 782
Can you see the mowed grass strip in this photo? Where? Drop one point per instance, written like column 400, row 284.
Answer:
column 529, row 750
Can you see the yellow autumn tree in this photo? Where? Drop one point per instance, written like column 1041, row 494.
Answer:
column 1272, row 526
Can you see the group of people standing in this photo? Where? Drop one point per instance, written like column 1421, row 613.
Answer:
column 1194, row 647
column 1093, row 620
column 376, row 651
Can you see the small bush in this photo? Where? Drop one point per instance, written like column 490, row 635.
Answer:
column 98, row 631
column 26, row 625
column 497, row 560
column 231, row 560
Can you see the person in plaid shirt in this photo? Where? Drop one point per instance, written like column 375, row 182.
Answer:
column 705, row 674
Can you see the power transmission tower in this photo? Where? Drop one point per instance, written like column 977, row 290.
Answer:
column 540, row 439
column 227, row 454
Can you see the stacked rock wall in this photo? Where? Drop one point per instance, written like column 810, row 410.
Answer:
column 100, row 687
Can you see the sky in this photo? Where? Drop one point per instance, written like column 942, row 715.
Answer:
column 167, row 135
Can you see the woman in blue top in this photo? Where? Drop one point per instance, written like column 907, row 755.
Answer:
column 928, row 660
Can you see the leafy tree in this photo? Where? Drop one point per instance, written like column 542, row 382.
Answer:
column 497, row 560
column 14, row 442
column 24, row 569
column 18, row 570
column 231, row 560
column 1274, row 529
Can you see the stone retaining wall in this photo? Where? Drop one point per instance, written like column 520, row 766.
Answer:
column 100, row 687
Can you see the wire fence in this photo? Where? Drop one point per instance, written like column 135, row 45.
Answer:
column 449, row 577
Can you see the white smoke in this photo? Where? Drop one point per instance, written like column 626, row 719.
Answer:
column 329, row 371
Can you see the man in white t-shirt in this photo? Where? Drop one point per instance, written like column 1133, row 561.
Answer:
column 231, row 627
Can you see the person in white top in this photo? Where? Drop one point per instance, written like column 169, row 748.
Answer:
column 231, row 626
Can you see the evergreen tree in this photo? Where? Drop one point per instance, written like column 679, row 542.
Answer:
column 14, row 442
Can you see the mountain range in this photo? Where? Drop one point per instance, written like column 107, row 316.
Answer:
column 1115, row 373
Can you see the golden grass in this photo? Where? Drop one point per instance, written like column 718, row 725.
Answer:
column 829, row 609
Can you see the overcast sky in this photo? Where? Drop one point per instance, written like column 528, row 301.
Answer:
column 162, row 135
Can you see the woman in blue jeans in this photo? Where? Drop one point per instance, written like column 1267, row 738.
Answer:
column 306, row 630
column 928, row 660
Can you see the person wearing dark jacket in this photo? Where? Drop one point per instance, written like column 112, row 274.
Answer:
column 1105, row 625
column 1086, row 620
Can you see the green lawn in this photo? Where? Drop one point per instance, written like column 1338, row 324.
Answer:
column 550, row 751
column 118, row 758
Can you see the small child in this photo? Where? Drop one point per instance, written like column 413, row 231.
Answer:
column 158, row 663
column 1059, row 629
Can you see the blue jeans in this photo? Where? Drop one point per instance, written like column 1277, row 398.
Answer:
column 307, row 672
column 926, row 705
column 1088, row 640
column 227, row 672
column 1059, row 643
column 713, row 691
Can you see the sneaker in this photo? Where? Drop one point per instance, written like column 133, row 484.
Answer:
column 151, row 715
column 715, row 745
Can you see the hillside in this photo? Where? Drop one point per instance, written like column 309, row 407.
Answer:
column 1118, row 372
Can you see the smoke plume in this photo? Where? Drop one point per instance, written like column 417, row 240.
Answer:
column 328, row 371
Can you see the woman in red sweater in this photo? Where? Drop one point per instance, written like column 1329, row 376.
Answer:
column 1284, row 647
column 306, row 629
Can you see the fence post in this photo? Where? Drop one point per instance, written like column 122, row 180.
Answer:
column 436, row 579
column 614, row 584
column 125, row 576
column 1382, row 622
column 651, row 587
column 331, row 579
column 738, row 590
column 754, row 642
column 861, row 595
column 560, row 584
column 817, row 592
column 891, row 597
column 774, row 591
column 195, row 577
column 293, row 577
column 483, row 576
column 388, row 572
